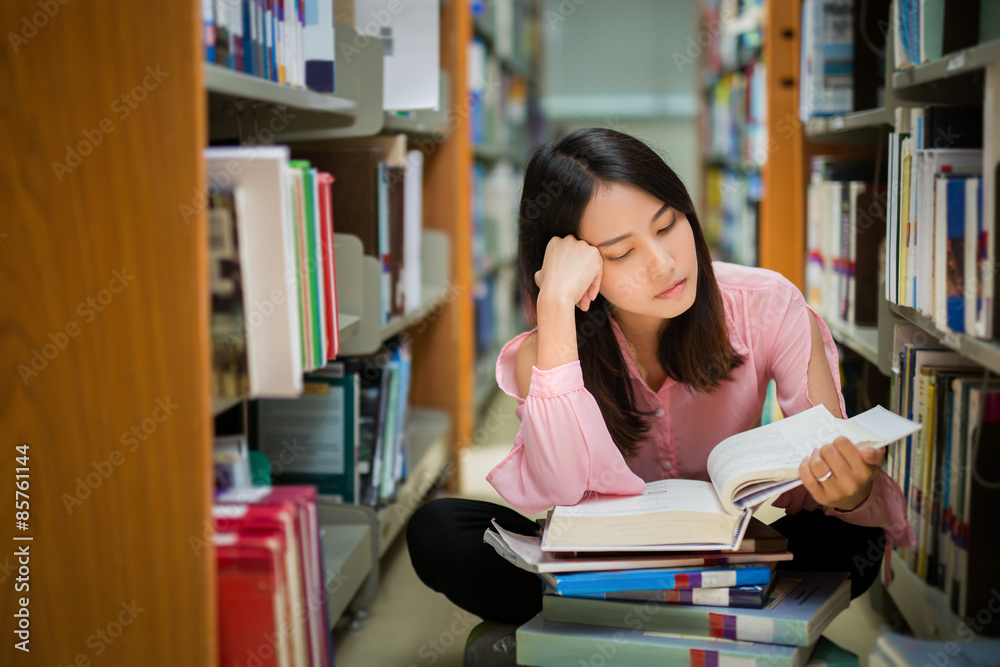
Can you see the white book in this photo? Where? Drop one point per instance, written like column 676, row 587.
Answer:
column 270, row 304
column 410, row 37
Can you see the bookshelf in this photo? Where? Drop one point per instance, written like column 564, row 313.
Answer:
column 116, row 209
column 503, row 52
column 970, row 76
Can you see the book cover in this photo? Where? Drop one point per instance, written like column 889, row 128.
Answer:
column 544, row 642
column 313, row 439
column 955, row 251
column 747, row 597
column 800, row 607
column 578, row 584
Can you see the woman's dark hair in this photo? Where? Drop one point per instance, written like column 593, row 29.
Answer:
column 559, row 182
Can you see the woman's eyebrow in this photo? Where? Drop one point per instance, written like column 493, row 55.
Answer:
column 619, row 239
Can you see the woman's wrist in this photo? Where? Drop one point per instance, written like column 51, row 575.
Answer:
column 556, row 331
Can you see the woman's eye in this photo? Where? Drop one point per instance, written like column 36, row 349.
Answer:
column 667, row 228
column 621, row 257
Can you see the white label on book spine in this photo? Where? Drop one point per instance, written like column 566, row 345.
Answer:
column 720, row 579
column 755, row 629
column 718, row 597
column 731, row 661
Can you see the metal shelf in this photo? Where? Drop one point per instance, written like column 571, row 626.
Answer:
column 486, row 153
column 223, row 81
column 955, row 64
column 984, row 352
column 861, row 339
column 857, row 125
column 348, row 324
column 434, row 296
column 347, row 562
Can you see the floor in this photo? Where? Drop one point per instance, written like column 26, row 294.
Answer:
column 411, row 626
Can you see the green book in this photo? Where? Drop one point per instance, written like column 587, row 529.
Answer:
column 801, row 606
column 313, row 439
column 828, row 654
column 553, row 644
column 311, row 273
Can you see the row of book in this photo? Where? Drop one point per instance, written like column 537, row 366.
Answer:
column 347, row 435
column 512, row 26
column 927, row 30
column 736, row 132
column 499, row 101
column 842, row 66
column 272, row 270
column 731, row 214
column 939, row 240
column 287, row 41
column 734, row 31
column 845, row 233
column 273, row 255
column 495, row 195
column 948, row 469
column 271, row 577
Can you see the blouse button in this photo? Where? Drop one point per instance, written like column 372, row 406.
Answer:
column 660, row 412
column 667, row 465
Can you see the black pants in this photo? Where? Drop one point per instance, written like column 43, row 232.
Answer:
column 445, row 539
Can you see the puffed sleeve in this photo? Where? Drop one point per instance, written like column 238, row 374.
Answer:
column 786, row 335
column 563, row 448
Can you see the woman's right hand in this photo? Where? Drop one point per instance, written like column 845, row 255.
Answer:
column 571, row 272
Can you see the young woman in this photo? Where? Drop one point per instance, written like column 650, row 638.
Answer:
column 645, row 355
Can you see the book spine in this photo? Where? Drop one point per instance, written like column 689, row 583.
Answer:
column 956, row 255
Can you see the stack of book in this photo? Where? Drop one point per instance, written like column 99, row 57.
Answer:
column 951, row 504
column 653, row 570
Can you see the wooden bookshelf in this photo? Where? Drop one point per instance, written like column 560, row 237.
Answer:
column 63, row 238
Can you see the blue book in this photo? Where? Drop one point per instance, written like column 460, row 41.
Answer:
column 955, row 274
column 746, row 597
column 656, row 579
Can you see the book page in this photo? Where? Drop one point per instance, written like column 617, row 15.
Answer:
column 665, row 495
column 774, row 452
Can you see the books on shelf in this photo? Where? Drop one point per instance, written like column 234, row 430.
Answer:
column 938, row 236
column 227, row 209
column 928, row 30
column 370, row 202
column 944, row 470
column 285, row 41
column 347, row 434
column 271, row 575
column 680, row 514
column 845, row 230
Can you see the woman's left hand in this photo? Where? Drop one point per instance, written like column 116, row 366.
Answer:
column 852, row 471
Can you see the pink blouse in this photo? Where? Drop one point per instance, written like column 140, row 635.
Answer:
column 563, row 448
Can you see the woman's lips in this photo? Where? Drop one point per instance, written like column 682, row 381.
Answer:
column 672, row 291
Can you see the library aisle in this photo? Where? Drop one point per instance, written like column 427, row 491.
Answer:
column 259, row 259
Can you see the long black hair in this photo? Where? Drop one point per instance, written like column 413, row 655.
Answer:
column 559, row 182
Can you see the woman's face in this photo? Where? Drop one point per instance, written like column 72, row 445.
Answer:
column 650, row 260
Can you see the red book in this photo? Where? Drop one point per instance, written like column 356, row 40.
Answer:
column 299, row 501
column 329, row 264
column 253, row 599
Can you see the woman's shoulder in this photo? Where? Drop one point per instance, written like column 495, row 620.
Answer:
column 519, row 352
column 739, row 278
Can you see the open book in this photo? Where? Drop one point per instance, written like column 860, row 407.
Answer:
column 745, row 470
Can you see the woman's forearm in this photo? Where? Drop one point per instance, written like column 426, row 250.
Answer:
column 556, row 331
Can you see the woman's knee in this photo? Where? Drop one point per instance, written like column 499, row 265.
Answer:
column 429, row 536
